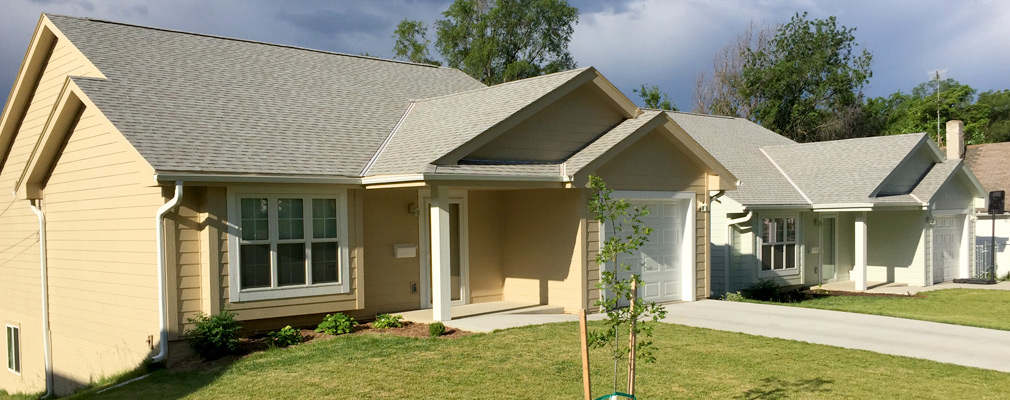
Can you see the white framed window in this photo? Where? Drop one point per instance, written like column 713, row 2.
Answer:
column 14, row 349
column 286, row 244
column 779, row 249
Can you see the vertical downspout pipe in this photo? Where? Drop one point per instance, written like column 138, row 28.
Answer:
column 162, row 297
column 44, row 273
column 729, row 241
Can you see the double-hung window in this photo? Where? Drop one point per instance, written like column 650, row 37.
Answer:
column 778, row 245
column 14, row 349
column 288, row 245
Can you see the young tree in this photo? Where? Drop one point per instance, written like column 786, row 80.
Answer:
column 810, row 70
column 654, row 98
column 499, row 41
column 626, row 233
column 412, row 42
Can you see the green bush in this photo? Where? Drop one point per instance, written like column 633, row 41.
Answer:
column 762, row 290
column 286, row 337
column 336, row 324
column 214, row 336
column 385, row 321
column 733, row 296
column 436, row 329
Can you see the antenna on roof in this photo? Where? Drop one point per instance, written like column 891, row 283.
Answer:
column 937, row 75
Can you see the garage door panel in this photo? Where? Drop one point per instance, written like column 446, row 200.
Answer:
column 947, row 235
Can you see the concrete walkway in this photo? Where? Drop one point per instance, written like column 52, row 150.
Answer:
column 901, row 288
column 495, row 315
column 955, row 344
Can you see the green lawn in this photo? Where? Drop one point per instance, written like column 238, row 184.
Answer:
column 971, row 307
column 542, row 362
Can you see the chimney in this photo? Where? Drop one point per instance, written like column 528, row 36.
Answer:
column 955, row 139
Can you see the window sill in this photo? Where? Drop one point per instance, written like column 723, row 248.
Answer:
column 241, row 296
column 778, row 273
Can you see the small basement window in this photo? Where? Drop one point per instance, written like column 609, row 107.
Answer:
column 778, row 245
column 288, row 245
column 14, row 349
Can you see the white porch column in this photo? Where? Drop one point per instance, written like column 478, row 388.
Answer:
column 441, row 291
column 859, row 270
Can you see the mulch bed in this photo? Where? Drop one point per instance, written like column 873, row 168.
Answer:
column 825, row 293
column 260, row 342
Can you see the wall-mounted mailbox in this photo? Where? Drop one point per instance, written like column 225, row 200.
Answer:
column 404, row 250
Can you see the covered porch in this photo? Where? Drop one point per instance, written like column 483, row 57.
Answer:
column 495, row 315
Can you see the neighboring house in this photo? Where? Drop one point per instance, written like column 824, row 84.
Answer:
column 868, row 210
column 150, row 175
column 991, row 164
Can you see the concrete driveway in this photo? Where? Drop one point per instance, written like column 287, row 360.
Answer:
column 955, row 344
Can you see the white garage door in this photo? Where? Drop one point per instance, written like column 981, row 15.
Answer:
column 947, row 232
column 659, row 261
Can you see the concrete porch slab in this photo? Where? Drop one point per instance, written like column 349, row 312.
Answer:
column 495, row 315
column 901, row 288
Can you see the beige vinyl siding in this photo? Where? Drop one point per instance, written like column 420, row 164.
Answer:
column 184, row 242
column 352, row 300
column 486, row 222
column 387, row 279
column 19, row 246
column 543, row 253
column 656, row 162
column 102, row 260
column 592, row 268
column 558, row 130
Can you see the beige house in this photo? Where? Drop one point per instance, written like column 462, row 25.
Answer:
column 150, row 175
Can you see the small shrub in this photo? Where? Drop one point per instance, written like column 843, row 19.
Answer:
column 336, row 324
column 762, row 290
column 733, row 296
column 214, row 336
column 286, row 337
column 386, row 321
column 436, row 329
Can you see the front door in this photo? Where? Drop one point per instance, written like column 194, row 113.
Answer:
column 827, row 249
column 947, row 231
column 457, row 276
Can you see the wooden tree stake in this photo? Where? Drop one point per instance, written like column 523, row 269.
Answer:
column 584, row 335
column 631, row 340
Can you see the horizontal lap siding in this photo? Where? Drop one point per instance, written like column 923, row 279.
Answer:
column 19, row 247
column 102, row 255
column 592, row 268
column 185, row 244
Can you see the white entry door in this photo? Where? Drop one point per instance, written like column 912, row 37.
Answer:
column 660, row 262
column 947, row 232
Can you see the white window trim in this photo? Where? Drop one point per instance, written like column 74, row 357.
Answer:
column 795, row 270
column 18, row 353
column 238, row 295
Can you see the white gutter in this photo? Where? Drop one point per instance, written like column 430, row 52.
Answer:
column 160, row 237
column 729, row 242
column 44, row 273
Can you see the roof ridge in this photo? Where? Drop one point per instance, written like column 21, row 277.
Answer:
column 920, row 134
column 696, row 114
column 207, row 35
column 499, row 85
column 785, row 175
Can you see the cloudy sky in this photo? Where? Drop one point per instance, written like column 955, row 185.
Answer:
column 661, row 42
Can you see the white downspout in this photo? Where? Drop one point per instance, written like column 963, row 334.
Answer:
column 44, row 273
column 729, row 242
column 162, row 301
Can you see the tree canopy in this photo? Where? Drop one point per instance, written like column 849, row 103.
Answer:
column 654, row 98
column 495, row 41
column 808, row 75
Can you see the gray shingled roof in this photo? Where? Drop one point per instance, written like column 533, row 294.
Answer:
column 734, row 142
column 937, row 176
column 844, row 171
column 197, row 103
column 436, row 126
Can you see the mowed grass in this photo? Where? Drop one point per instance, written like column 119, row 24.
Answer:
column 542, row 362
column 972, row 307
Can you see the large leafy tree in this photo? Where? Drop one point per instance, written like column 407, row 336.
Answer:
column 496, row 41
column 806, row 78
column 917, row 111
column 652, row 97
column 719, row 91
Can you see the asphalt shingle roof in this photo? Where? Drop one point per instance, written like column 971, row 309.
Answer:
column 601, row 145
column 197, row 103
column 734, row 142
column 436, row 126
column 844, row 171
column 991, row 165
